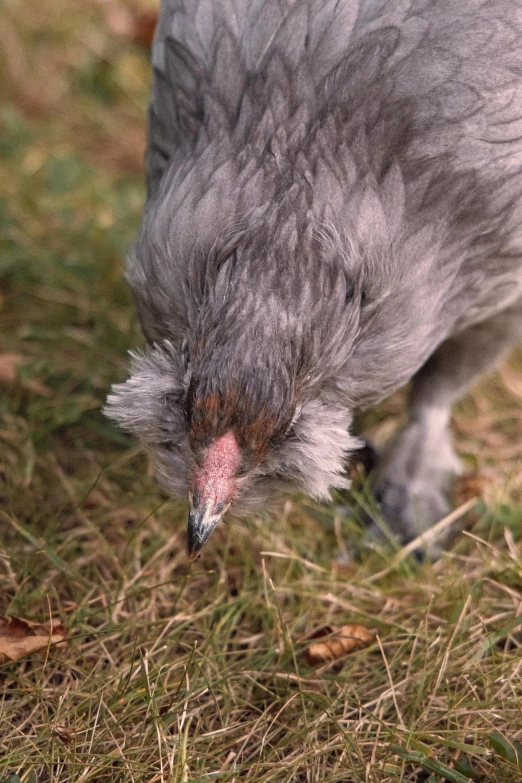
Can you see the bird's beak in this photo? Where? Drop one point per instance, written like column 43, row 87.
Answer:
column 201, row 523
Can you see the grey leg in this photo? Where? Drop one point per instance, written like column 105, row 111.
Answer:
column 415, row 473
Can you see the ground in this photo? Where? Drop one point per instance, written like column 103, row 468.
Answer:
column 176, row 671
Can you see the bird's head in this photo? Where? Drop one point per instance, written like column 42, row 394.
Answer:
column 234, row 422
column 226, row 448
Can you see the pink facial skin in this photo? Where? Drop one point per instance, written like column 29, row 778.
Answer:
column 215, row 480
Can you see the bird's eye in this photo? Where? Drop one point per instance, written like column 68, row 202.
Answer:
column 348, row 296
column 172, row 399
column 290, row 430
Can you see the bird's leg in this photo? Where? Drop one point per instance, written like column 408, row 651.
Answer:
column 415, row 473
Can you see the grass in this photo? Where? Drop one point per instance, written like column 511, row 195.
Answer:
column 178, row 671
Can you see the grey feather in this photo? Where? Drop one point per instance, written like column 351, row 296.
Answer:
column 300, row 148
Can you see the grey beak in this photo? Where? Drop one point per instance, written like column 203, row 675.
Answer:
column 201, row 524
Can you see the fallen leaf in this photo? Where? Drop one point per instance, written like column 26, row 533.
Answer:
column 132, row 23
column 470, row 485
column 19, row 638
column 63, row 732
column 9, row 364
column 144, row 26
column 337, row 642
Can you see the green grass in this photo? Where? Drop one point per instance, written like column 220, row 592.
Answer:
column 178, row 671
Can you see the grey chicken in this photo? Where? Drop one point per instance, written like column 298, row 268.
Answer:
column 334, row 208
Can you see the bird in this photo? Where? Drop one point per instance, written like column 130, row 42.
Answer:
column 333, row 211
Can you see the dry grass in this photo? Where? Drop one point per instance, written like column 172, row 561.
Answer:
column 193, row 672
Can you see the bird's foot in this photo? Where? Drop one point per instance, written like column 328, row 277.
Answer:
column 412, row 482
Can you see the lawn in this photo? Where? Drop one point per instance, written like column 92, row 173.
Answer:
column 175, row 671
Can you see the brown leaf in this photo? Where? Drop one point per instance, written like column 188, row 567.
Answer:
column 144, row 26
column 470, row 485
column 63, row 732
column 19, row 637
column 132, row 23
column 9, row 364
column 337, row 642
